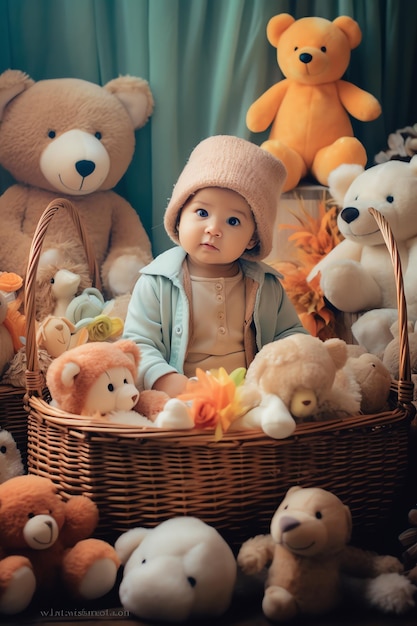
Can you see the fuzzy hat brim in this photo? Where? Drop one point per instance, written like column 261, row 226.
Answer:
column 232, row 163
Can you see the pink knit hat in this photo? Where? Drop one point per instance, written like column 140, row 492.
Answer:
column 237, row 164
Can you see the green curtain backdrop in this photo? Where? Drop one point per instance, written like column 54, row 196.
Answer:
column 206, row 61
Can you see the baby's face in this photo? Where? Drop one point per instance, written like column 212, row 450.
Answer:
column 216, row 227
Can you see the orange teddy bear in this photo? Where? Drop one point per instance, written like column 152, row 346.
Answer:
column 309, row 109
column 44, row 540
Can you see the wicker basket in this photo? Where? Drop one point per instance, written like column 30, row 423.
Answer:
column 142, row 477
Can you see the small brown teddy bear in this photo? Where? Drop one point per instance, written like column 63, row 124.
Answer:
column 308, row 554
column 374, row 380
column 44, row 540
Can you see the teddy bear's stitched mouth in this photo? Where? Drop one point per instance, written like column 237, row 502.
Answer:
column 71, row 188
column 298, row 548
column 372, row 232
column 48, row 541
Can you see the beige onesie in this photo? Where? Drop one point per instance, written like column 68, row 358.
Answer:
column 218, row 304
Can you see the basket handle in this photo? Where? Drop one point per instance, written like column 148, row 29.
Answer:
column 405, row 384
column 35, row 382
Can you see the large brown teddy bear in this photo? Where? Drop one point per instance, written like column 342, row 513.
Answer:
column 309, row 109
column 312, row 569
column 69, row 138
column 45, row 542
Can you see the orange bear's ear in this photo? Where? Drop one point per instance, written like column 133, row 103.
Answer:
column 277, row 25
column 350, row 28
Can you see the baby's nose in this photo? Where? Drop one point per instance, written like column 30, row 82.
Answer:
column 213, row 228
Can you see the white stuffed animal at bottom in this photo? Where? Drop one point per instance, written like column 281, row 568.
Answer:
column 357, row 276
column 97, row 379
column 183, row 568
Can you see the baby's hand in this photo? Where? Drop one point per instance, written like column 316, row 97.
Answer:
column 172, row 384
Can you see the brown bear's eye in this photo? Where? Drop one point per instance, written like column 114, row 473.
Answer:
column 296, row 48
column 323, row 49
column 30, row 515
column 98, row 135
column 319, row 515
column 51, row 134
column 3, row 449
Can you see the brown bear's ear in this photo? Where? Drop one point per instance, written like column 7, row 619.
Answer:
column 350, row 28
column 12, row 83
column 135, row 95
column 293, row 489
column 276, row 26
column 337, row 349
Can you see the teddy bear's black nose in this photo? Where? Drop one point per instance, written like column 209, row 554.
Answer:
column 305, row 57
column 287, row 523
column 85, row 168
column 349, row 214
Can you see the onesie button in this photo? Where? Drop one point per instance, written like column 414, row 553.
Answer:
column 178, row 330
column 222, row 330
column 219, row 298
column 219, row 287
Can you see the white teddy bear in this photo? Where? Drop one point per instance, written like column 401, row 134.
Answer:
column 357, row 276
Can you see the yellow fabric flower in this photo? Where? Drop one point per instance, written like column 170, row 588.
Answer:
column 103, row 327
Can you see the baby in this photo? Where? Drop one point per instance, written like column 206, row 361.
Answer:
column 210, row 302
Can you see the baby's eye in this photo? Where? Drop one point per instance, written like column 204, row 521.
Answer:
column 202, row 212
column 233, row 221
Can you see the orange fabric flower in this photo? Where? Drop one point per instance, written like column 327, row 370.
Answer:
column 213, row 400
column 9, row 281
column 204, row 413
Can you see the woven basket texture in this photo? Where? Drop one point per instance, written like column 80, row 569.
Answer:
column 140, row 477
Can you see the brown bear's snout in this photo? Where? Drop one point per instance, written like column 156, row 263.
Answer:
column 288, row 523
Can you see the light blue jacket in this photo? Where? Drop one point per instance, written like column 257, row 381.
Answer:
column 158, row 317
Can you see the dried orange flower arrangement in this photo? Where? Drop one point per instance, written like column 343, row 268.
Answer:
column 313, row 238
